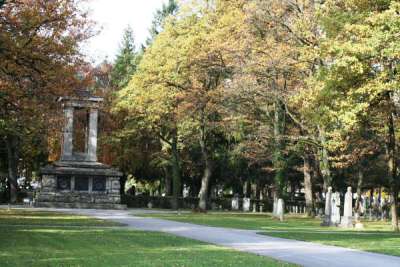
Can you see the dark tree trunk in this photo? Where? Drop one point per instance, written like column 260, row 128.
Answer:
column 257, row 190
column 279, row 161
column 176, row 172
column 207, row 172
column 324, row 161
column 122, row 182
column 307, row 170
column 12, row 157
column 247, row 189
column 392, row 169
column 167, row 181
column 278, row 157
column 360, row 181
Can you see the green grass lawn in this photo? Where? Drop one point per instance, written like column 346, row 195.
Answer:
column 20, row 217
column 33, row 238
column 376, row 237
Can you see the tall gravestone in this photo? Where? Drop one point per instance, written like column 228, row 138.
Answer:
column 275, row 207
column 78, row 180
column 246, row 204
column 280, row 209
column 347, row 219
column 335, row 206
column 235, row 203
column 328, row 208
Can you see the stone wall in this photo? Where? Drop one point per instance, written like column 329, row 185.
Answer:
column 50, row 193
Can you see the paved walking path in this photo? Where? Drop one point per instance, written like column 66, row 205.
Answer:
column 298, row 252
column 303, row 253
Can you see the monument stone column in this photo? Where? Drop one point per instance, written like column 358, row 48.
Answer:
column 92, row 139
column 68, row 133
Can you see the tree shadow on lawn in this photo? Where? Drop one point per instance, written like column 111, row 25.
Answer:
column 105, row 247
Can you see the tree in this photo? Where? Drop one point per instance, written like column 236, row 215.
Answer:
column 271, row 70
column 151, row 99
column 177, row 89
column 361, row 79
column 267, row 90
column 127, row 60
column 126, row 65
column 160, row 16
column 39, row 52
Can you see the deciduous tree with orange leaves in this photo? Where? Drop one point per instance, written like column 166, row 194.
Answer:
column 39, row 61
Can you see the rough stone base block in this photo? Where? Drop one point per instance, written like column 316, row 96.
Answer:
column 107, row 206
column 347, row 222
column 326, row 221
column 87, row 185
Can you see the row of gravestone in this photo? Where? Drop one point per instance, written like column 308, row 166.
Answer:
column 246, row 206
column 375, row 207
column 332, row 210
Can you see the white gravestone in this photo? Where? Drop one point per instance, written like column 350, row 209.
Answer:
column 246, row 204
column 347, row 219
column 185, row 191
column 235, row 203
column 363, row 204
column 335, row 215
column 275, row 207
column 328, row 209
column 280, row 209
column 383, row 208
column 375, row 207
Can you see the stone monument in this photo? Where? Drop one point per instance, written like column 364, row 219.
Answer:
column 235, row 203
column 275, row 207
column 328, row 208
column 246, row 204
column 280, row 209
column 347, row 219
column 335, row 206
column 77, row 180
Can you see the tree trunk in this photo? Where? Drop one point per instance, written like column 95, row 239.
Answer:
column 359, row 188
column 176, row 173
column 122, row 182
column 167, row 181
column 392, row 169
column 205, row 180
column 279, row 162
column 12, row 157
column 393, row 209
column 246, row 188
column 324, row 160
column 307, row 170
column 278, row 157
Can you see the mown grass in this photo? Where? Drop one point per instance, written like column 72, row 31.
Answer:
column 37, row 217
column 376, row 237
column 47, row 239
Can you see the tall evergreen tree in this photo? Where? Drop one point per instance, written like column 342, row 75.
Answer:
column 127, row 60
column 157, row 25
